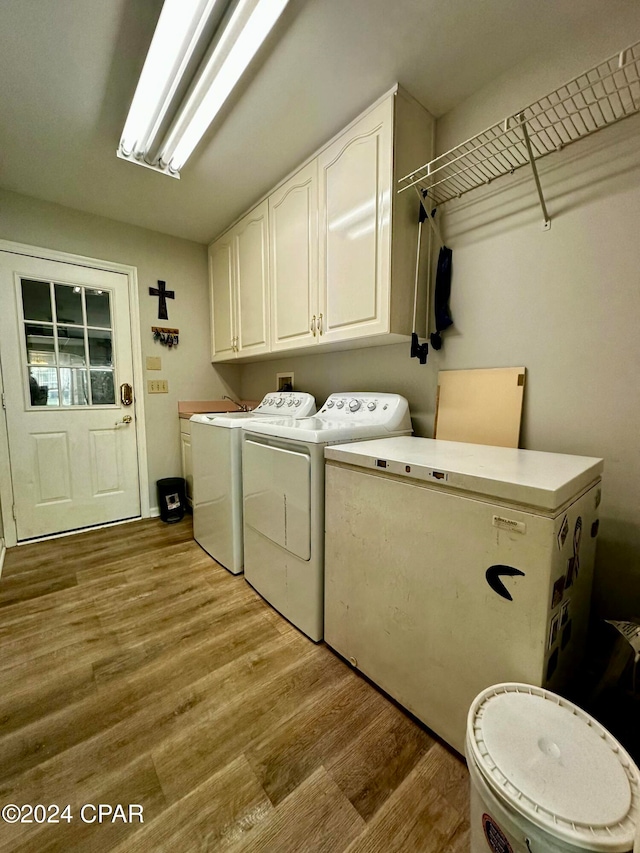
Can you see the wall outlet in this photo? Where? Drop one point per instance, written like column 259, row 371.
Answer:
column 154, row 362
column 284, row 381
column 157, row 386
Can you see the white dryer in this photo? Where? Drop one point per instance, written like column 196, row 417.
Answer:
column 216, row 447
column 283, row 484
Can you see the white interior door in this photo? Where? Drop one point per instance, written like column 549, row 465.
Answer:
column 65, row 340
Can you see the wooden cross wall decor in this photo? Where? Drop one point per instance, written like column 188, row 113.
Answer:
column 163, row 294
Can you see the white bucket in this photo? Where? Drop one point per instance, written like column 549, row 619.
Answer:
column 546, row 777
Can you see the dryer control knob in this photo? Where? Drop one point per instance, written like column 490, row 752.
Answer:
column 296, row 402
column 329, row 404
column 289, row 402
column 340, row 404
column 371, row 407
column 354, row 405
column 280, row 402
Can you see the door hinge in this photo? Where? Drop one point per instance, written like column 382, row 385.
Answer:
column 13, row 512
column 4, row 405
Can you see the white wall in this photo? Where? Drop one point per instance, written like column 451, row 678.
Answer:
column 385, row 368
column 183, row 265
column 564, row 303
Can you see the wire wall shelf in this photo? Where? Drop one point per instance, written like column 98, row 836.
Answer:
column 597, row 98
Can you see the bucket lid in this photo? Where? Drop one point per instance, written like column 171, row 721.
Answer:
column 555, row 765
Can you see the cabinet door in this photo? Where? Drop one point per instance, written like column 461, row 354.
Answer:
column 293, row 260
column 187, row 464
column 355, row 186
column 221, row 288
column 252, row 283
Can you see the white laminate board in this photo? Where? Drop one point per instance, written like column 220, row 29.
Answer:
column 482, row 406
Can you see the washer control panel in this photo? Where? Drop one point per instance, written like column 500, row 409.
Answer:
column 365, row 407
column 296, row 404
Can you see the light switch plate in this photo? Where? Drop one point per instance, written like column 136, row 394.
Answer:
column 154, row 362
column 157, row 386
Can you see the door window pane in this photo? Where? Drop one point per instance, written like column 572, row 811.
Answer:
column 36, row 300
column 99, row 347
column 98, row 308
column 102, row 388
column 68, row 304
column 71, row 346
column 40, row 344
column 43, row 386
column 73, row 387
column 69, row 363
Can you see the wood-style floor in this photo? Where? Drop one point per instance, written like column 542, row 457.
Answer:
column 135, row 669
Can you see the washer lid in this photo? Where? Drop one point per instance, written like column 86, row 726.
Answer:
column 555, row 765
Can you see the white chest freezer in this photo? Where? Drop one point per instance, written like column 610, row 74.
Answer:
column 450, row 567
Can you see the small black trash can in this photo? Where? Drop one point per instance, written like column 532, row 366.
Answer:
column 171, row 499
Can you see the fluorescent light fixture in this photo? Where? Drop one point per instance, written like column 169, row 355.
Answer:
column 201, row 47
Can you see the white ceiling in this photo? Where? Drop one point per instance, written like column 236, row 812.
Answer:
column 68, row 70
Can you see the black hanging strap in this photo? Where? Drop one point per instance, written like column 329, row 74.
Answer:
column 442, row 294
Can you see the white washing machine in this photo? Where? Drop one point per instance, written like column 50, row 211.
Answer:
column 450, row 567
column 283, row 483
column 216, row 446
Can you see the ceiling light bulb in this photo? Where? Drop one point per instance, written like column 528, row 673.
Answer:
column 177, row 36
column 225, row 67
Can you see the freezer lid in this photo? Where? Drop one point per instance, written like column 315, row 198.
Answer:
column 529, row 477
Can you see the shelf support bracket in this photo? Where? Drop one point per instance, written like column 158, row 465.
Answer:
column 525, row 132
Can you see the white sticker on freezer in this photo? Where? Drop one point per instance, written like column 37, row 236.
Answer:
column 509, row 524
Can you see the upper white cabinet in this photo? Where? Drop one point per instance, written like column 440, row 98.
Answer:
column 355, row 210
column 239, row 287
column 293, row 260
column 341, row 246
column 221, row 289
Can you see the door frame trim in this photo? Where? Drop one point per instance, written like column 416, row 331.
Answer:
column 131, row 272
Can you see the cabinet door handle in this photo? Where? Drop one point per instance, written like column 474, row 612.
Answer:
column 320, row 329
column 313, row 325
